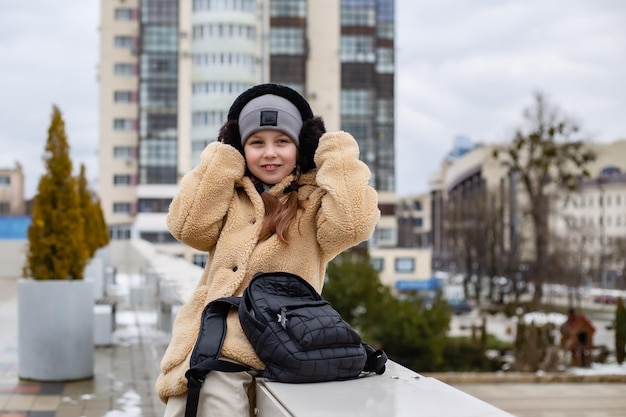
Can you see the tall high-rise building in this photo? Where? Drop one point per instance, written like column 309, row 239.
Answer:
column 170, row 69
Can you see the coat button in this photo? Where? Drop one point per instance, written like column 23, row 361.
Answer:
column 235, row 269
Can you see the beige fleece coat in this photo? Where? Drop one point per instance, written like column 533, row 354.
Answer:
column 219, row 211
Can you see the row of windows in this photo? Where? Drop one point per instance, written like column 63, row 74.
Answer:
column 357, row 48
column 223, row 58
column 287, row 41
column 158, row 152
column 358, row 16
column 224, row 30
column 124, row 42
column 158, row 237
column 158, row 175
column 125, row 14
column 159, row 65
column 5, row 180
column 161, row 11
column 583, row 201
column 144, row 205
column 125, row 97
column 402, row 265
column 219, row 87
column 126, row 125
column 120, row 232
column 208, row 118
column 122, row 180
column 157, row 124
column 384, row 61
column 160, row 39
column 356, row 103
column 288, row 8
column 124, row 69
column 214, row 5
column 158, row 94
column 589, row 221
column 123, row 152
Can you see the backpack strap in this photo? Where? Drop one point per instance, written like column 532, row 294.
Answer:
column 376, row 360
column 205, row 354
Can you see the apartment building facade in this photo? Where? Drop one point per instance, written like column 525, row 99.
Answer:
column 169, row 70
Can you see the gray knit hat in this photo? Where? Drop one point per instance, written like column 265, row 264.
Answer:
column 270, row 112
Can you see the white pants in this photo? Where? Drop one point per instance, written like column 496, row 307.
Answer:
column 223, row 394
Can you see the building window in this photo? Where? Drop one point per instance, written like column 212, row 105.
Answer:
column 405, row 265
column 5, row 180
column 378, row 264
column 123, row 124
column 124, row 69
column 120, row 232
column 154, row 205
column 123, row 42
column 122, row 152
column 287, row 41
column 123, row 97
column 288, row 8
column 357, row 48
column 358, row 16
column 5, row 208
column 124, row 14
column 384, row 237
column 158, row 94
column 384, row 60
column 200, row 259
column 158, row 237
column 241, row 5
column 356, row 103
column 121, row 180
column 160, row 39
column 121, row 208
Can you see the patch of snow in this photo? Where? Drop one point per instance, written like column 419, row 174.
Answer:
column 130, row 404
column 599, row 369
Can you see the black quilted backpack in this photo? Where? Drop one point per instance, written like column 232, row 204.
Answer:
column 295, row 332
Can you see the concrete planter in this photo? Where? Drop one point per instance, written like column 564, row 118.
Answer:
column 55, row 330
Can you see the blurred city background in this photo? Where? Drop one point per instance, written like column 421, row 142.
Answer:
column 494, row 132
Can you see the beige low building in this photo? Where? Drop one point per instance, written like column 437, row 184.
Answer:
column 12, row 191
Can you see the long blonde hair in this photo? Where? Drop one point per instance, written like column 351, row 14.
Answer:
column 280, row 212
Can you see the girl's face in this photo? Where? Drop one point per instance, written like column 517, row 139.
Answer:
column 270, row 155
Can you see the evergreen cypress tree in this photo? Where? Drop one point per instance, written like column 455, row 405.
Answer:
column 56, row 248
column 620, row 331
column 95, row 231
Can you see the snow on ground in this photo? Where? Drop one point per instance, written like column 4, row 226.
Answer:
column 599, row 369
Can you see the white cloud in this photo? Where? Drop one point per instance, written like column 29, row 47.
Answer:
column 470, row 68
column 50, row 52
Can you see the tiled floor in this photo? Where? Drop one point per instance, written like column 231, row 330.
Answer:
column 124, row 374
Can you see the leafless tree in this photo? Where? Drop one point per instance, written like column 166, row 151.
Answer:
column 545, row 156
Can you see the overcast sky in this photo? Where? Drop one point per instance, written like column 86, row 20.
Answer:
column 463, row 67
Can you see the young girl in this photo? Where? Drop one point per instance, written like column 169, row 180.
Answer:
column 275, row 193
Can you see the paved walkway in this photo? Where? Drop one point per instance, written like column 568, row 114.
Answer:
column 125, row 373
